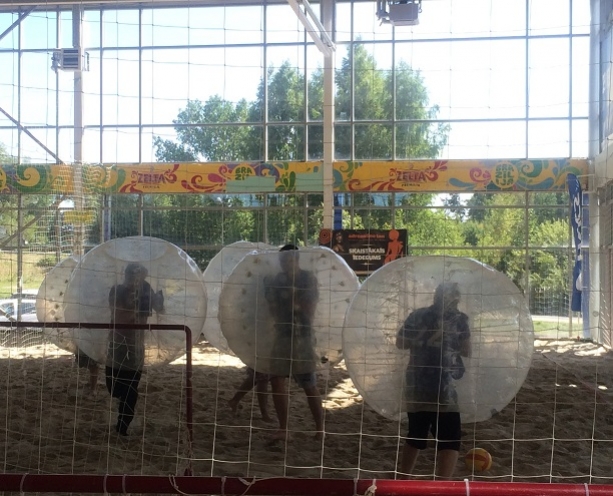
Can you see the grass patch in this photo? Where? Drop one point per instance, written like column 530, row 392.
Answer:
column 35, row 266
column 561, row 325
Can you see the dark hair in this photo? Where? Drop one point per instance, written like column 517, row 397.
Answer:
column 134, row 268
column 288, row 247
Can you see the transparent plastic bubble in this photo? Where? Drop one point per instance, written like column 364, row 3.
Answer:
column 50, row 302
column 501, row 330
column 269, row 326
column 216, row 272
column 168, row 269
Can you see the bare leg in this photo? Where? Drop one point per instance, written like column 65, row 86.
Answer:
column 446, row 461
column 281, row 403
column 407, row 462
column 243, row 389
column 314, row 400
column 93, row 377
column 261, row 388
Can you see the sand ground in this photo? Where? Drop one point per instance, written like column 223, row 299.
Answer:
column 559, row 427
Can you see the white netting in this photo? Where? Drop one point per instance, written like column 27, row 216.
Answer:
column 215, row 274
column 230, row 101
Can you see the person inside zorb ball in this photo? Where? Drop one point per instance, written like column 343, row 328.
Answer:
column 128, row 282
column 282, row 313
column 437, row 336
column 168, row 271
column 454, row 320
column 131, row 302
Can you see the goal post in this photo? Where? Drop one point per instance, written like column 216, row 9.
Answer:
column 281, row 486
column 189, row 402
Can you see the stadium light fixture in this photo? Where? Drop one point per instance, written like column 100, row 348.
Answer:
column 399, row 12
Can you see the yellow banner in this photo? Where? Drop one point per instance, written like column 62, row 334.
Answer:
column 290, row 177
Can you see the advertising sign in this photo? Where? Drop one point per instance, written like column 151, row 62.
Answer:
column 365, row 250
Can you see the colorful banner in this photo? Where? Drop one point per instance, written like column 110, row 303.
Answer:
column 574, row 189
column 291, row 177
column 365, row 250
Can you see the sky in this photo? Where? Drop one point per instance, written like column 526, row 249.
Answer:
column 470, row 79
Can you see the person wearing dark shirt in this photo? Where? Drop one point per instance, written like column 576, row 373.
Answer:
column 437, row 337
column 131, row 302
column 292, row 297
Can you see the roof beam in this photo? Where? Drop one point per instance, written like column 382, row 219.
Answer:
column 21, row 17
column 313, row 26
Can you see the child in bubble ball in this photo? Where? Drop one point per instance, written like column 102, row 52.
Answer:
column 292, row 297
column 131, row 302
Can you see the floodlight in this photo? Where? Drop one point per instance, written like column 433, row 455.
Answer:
column 399, row 12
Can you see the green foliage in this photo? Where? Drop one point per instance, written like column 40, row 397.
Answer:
column 388, row 108
column 282, row 95
column 207, row 142
column 4, row 156
column 499, row 221
column 46, row 262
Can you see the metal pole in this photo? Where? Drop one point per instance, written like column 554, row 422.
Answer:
column 22, row 16
column 527, row 244
column 570, row 269
column 189, row 401
column 79, row 201
column 141, row 215
column 280, row 486
column 327, row 7
column 19, row 250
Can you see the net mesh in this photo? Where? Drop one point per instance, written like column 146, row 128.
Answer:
column 230, row 84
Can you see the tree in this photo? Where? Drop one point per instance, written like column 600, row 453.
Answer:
column 284, row 88
column 219, row 130
column 500, row 226
column 286, row 140
column 4, row 154
column 454, row 206
column 385, row 96
column 219, row 142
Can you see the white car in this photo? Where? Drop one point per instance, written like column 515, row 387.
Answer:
column 8, row 310
column 28, row 294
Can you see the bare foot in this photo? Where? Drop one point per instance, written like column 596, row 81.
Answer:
column 267, row 419
column 280, row 435
column 234, row 406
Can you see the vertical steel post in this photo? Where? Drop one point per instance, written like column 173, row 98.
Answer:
column 79, row 201
column 327, row 13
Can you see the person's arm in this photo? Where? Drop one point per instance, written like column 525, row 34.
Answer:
column 402, row 343
column 113, row 304
column 270, row 295
column 157, row 301
column 112, row 297
column 310, row 297
column 411, row 333
column 465, row 345
column 406, row 334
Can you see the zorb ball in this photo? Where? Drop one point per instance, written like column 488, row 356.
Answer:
column 50, row 302
column 266, row 312
column 501, row 333
column 168, row 269
column 216, row 272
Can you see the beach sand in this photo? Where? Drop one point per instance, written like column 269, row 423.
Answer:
column 559, row 428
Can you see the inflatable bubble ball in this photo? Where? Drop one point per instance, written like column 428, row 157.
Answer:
column 435, row 302
column 136, row 280
column 282, row 312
